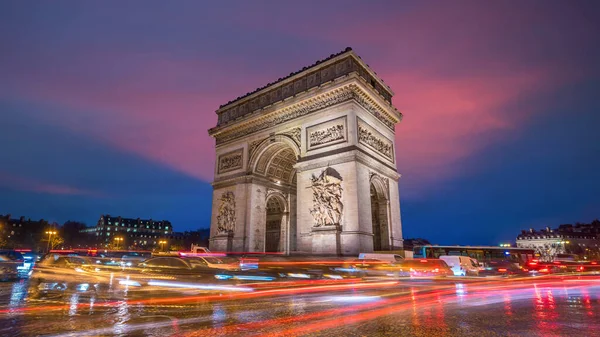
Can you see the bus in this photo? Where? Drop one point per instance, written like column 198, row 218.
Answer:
column 480, row 253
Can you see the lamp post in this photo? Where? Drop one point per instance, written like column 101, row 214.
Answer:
column 162, row 243
column 50, row 233
column 118, row 240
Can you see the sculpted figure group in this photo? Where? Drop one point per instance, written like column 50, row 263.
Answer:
column 226, row 217
column 327, row 199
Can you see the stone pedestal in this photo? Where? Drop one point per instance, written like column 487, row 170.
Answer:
column 326, row 240
column 221, row 242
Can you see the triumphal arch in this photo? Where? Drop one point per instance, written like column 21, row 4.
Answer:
column 307, row 164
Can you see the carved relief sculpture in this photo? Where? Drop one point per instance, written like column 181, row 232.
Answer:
column 327, row 133
column 324, row 136
column 231, row 161
column 375, row 140
column 226, row 217
column 295, row 134
column 327, row 199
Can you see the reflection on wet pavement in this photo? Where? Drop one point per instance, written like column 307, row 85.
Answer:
column 552, row 306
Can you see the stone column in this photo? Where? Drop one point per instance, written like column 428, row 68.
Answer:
column 284, row 236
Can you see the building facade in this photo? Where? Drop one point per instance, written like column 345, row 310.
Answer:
column 580, row 239
column 307, row 164
column 128, row 232
column 23, row 232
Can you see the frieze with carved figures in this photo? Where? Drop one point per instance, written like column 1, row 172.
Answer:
column 375, row 140
column 327, row 133
column 231, row 161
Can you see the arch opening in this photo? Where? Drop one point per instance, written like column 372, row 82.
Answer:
column 274, row 161
column 379, row 217
column 275, row 217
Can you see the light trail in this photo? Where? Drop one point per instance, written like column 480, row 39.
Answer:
column 219, row 297
column 373, row 309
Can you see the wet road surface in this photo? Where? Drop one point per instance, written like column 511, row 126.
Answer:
column 547, row 306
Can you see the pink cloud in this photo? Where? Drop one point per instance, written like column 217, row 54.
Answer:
column 32, row 185
column 143, row 112
column 456, row 71
column 448, row 120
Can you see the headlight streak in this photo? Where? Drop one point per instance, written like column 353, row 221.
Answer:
column 197, row 286
column 352, row 299
column 335, row 286
column 130, row 283
column 357, row 308
column 380, row 308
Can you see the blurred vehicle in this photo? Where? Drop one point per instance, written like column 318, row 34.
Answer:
column 535, row 267
column 390, row 258
column 8, row 269
column 14, row 262
column 129, row 258
column 171, row 268
column 461, row 265
column 365, row 267
column 62, row 273
column 480, row 253
column 426, row 267
column 199, row 249
column 31, row 257
column 566, row 257
column 216, row 262
column 502, row 268
column 247, row 263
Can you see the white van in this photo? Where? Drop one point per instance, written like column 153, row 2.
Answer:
column 461, row 265
column 391, row 258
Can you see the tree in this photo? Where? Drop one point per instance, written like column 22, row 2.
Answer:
column 56, row 241
column 3, row 242
column 175, row 247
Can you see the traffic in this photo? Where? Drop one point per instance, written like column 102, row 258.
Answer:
column 104, row 271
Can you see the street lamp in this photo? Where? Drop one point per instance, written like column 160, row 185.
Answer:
column 162, row 243
column 50, row 233
column 119, row 240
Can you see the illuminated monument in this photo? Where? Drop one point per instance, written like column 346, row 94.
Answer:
column 307, row 164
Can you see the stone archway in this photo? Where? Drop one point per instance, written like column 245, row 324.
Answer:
column 380, row 213
column 273, row 160
column 276, row 221
column 283, row 138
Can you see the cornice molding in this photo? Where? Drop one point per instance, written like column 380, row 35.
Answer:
column 347, row 92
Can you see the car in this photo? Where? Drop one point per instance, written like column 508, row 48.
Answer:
column 390, row 258
column 133, row 258
column 426, row 268
column 173, row 268
column 8, row 269
column 65, row 273
column 461, row 265
column 216, row 262
column 366, row 267
column 13, row 264
column 502, row 268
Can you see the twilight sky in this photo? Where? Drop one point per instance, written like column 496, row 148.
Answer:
column 105, row 105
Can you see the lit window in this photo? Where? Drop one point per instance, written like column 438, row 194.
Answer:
column 107, row 234
column 166, row 232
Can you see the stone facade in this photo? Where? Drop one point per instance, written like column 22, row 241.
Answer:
column 307, row 164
